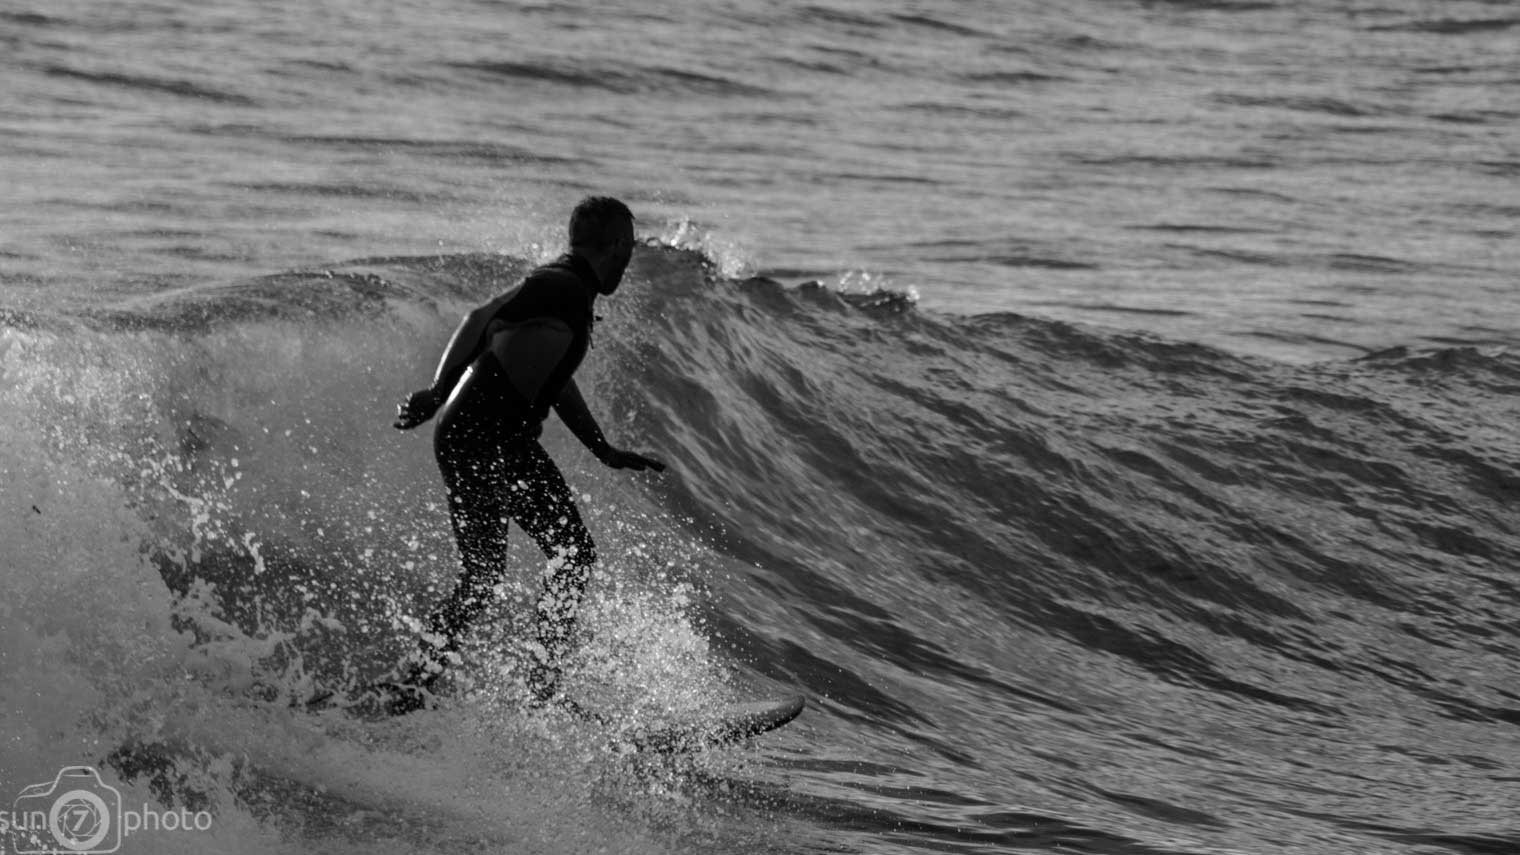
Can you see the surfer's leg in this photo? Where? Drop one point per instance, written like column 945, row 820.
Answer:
column 545, row 508
column 478, row 510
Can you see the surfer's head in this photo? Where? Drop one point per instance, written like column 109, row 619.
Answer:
column 601, row 231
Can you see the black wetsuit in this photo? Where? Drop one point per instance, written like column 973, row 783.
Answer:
column 487, row 448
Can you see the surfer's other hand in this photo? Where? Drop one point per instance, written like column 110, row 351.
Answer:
column 619, row 459
column 416, row 409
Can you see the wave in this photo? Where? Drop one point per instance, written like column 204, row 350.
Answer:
column 932, row 524
column 145, row 83
column 618, row 80
column 1451, row 26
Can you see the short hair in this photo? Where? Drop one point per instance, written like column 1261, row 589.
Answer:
column 594, row 221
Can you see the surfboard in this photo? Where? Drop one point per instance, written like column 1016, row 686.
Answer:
column 730, row 724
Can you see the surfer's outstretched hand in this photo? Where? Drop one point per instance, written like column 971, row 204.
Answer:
column 416, row 409
column 619, row 459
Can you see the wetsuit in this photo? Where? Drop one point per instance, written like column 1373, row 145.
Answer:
column 495, row 470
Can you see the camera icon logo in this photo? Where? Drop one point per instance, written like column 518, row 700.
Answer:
column 77, row 812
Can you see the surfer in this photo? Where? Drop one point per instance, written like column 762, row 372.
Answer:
column 508, row 363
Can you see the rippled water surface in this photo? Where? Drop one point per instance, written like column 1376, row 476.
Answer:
column 1296, row 179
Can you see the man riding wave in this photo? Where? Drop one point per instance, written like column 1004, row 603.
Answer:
column 508, row 363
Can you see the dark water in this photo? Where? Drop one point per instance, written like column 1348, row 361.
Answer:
column 1046, row 587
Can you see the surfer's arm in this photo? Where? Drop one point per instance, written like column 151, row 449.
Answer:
column 463, row 347
column 573, row 411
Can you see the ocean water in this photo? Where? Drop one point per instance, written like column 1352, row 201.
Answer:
column 1102, row 412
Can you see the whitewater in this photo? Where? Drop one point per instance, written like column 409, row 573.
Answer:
column 1103, row 414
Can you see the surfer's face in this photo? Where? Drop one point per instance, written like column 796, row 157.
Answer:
column 621, row 254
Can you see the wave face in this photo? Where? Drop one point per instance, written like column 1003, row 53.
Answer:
column 1043, row 585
